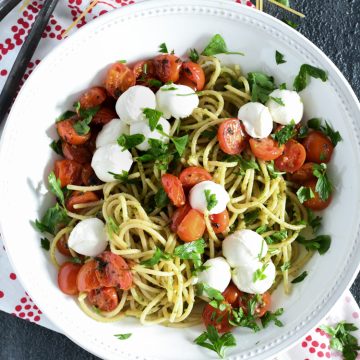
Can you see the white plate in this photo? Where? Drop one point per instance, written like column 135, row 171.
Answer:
column 132, row 33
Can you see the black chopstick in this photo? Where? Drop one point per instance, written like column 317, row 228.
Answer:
column 6, row 6
column 25, row 54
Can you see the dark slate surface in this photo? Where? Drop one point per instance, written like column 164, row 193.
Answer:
column 334, row 27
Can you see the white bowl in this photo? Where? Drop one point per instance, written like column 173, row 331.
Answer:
column 132, row 33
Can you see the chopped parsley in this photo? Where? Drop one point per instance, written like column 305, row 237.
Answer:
column 157, row 256
column 239, row 318
column 271, row 169
column 314, row 221
column 278, row 100
column 301, row 80
column 305, row 194
column 163, row 48
column 283, row 86
column 300, row 278
column 154, row 83
column 194, row 55
column 153, row 116
column 333, row 135
column 66, row 115
column 56, row 146
column 53, row 218
column 82, row 126
column 191, row 251
column 279, row 58
column 112, row 226
column 320, row 243
column 123, row 336
column 276, row 237
column 123, row 177
column 55, row 187
column 268, row 317
column 216, row 46
column 285, row 134
column 180, row 143
column 161, row 198
column 261, row 86
column 210, row 199
column 130, row 141
column 323, row 185
column 45, row 244
column 285, row 266
column 251, row 217
column 259, row 274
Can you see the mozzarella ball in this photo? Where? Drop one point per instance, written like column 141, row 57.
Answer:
column 111, row 131
column 217, row 275
column 111, row 158
column 243, row 246
column 292, row 108
column 142, row 127
column 256, row 119
column 197, row 197
column 172, row 103
column 132, row 102
column 243, row 277
column 88, row 237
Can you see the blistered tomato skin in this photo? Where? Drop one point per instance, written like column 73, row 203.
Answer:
column 232, row 137
column 167, row 67
column 318, row 147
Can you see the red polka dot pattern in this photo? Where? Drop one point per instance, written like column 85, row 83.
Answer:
column 27, row 310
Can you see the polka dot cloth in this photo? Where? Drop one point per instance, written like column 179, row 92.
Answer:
column 13, row 298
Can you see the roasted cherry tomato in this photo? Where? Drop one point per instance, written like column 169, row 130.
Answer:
column 173, row 189
column 194, row 73
column 144, row 70
column 219, row 319
column 105, row 299
column 79, row 153
column 67, row 278
column 292, row 158
column 63, row 247
column 78, row 197
column 95, row 96
column 67, row 132
column 220, row 222
column 86, row 278
column 318, row 147
column 232, row 137
column 178, row 216
column 118, row 79
column 68, row 171
column 113, row 270
column 266, row 149
column 183, row 80
column 316, row 203
column 264, row 306
column 192, row 227
column 193, row 175
column 88, row 176
column 232, row 294
column 103, row 116
column 305, row 173
column 167, row 67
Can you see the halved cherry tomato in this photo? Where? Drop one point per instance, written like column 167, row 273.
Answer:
column 232, row 137
column 67, row 132
column 105, row 299
column 68, row 171
column 178, row 216
column 219, row 319
column 88, row 176
column 67, row 278
column 118, row 79
column 167, row 67
column 194, row 73
column 78, row 197
column 316, row 203
column 264, row 306
column 192, row 227
column 113, row 270
column 173, row 189
column 183, row 80
column 63, row 247
column 292, row 158
column 103, row 116
column 193, row 175
column 144, row 70
column 86, row 278
column 95, row 96
column 79, row 153
column 305, row 173
column 220, row 222
column 232, row 294
column 318, row 147
column 266, row 149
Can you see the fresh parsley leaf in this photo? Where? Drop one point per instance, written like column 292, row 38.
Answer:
column 239, row 318
column 56, row 146
column 276, row 237
column 211, row 340
column 277, row 100
column 321, row 243
column 300, row 278
column 304, row 194
column 158, row 255
column 158, row 152
column 122, row 61
column 334, row 136
column 285, row 266
column 216, row 46
column 66, row 115
column 251, row 217
column 82, row 126
column 314, row 123
column 161, row 198
column 279, row 58
column 323, row 185
column 290, row 23
column 211, row 293
column 153, row 116
column 271, row 169
column 112, row 226
column 302, row 131
column 154, row 83
column 261, row 229
column 76, row 260
column 53, row 218
column 341, row 339
column 191, row 251
column 130, row 141
column 210, row 134
column 306, row 70
column 261, row 86
column 269, row 317
column 55, row 187
column 247, row 164
column 285, row 134
column 194, row 55
column 123, row 336
column 210, row 199
column 180, row 143
column 259, row 274
column 45, row 244
column 124, row 176
column 170, row 88
column 314, row 221
column 163, row 48
column 283, row 86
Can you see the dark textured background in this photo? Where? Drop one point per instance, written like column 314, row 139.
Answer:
column 334, row 27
